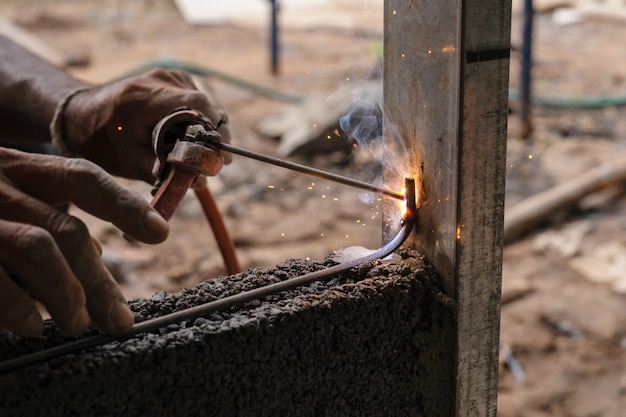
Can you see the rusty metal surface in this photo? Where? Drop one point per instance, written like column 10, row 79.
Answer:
column 480, row 217
column 195, row 158
column 172, row 128
column 178, row 161
column 445, row 89
column 421, row 91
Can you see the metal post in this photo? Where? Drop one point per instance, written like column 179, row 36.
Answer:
column 446, row 99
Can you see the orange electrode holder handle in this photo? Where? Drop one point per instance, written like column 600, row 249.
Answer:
column 183, row 143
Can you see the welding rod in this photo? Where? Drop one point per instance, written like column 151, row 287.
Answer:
column 226, row 147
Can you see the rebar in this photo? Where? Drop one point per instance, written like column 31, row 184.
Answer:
column 407, row 223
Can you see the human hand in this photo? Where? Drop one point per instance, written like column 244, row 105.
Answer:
column 112, row 124
column 49, row 255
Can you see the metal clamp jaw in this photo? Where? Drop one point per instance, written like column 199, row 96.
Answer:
column 183, row 145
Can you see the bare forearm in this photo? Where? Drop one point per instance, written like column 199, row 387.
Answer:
column 30, row 90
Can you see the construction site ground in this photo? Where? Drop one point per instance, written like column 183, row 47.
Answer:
column 563, row 328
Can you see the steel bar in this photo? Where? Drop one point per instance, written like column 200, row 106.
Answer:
column 309, row 171
column 192, row 313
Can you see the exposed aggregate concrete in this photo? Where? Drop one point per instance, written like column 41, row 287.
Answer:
column 376, row 341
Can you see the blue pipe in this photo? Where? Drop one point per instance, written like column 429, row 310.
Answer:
column 274, row 37
column 526, row 67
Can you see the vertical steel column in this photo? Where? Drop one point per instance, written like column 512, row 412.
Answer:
column 422, row 82
column 446, row 98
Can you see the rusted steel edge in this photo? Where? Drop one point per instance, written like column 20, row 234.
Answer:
column 407, row 223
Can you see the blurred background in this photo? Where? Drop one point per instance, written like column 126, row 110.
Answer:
column 286, row 87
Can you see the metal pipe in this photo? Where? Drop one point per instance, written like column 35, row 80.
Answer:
column 192, row 313
column 526, row 69
column 274, row 46
column 226, row 147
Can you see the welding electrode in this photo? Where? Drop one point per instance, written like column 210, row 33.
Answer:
column 226, row 147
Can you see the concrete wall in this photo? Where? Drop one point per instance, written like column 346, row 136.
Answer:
column 375, row 343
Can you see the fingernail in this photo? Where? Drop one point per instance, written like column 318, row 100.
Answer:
column 33, row 325
column 156, row 224
column 81, row 322
column 121, row 316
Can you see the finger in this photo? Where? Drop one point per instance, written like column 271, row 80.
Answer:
column 97, row 245
column 173, row 77
column 18, row 312
column 76, row 256
column 113, row 316
column 105, row 301
column 188, row 96
column 57, row 180
column 178, row 90
column 32, row 255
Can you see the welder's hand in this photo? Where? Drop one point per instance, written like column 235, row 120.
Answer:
column 49, row 255
column 112, row 124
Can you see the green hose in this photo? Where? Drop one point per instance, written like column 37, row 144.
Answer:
column 585, row 102
column 170, row 63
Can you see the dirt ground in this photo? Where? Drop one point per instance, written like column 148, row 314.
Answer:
column 563, row 332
